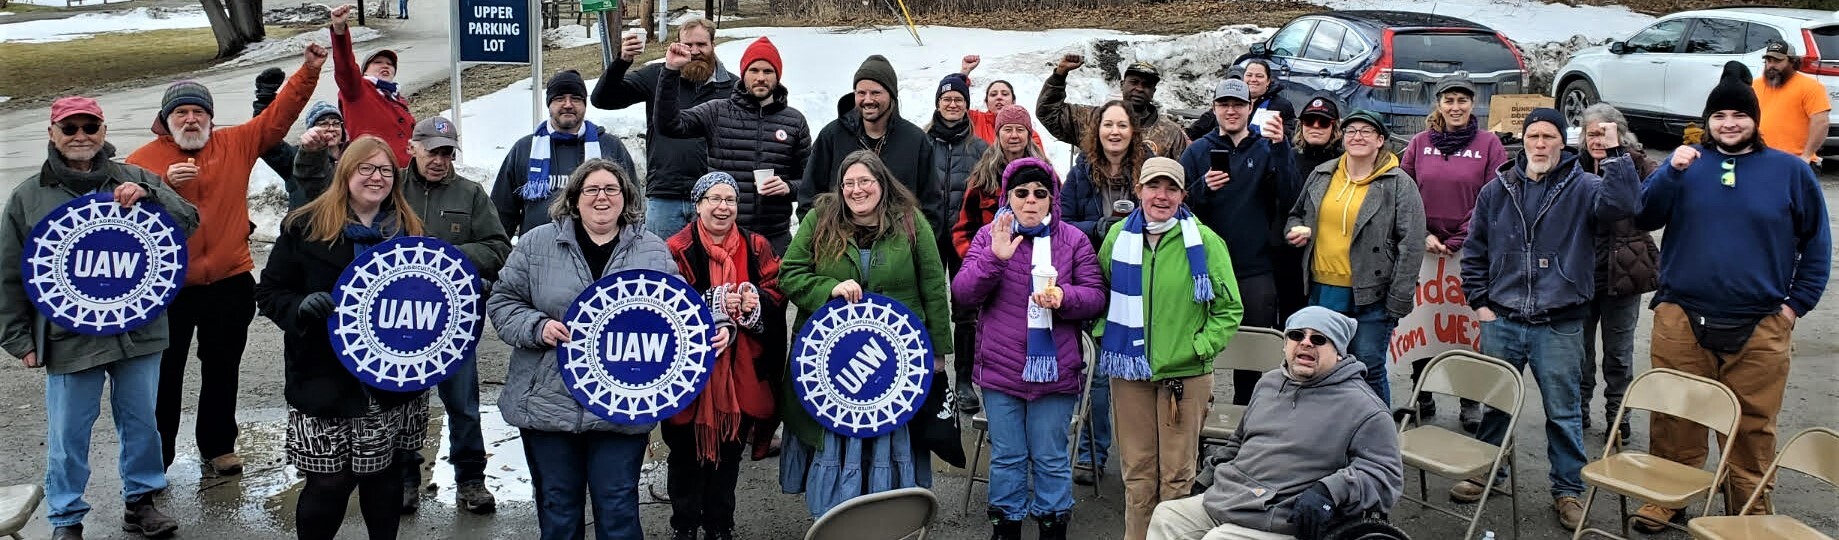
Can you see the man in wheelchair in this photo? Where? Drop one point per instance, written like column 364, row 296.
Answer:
column 1315, row 449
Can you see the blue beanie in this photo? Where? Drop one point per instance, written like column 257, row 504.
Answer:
column 709, row 181
column 1545, row 114
column 953, row 83
column 320, row 109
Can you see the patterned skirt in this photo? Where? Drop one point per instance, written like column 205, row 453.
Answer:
column 362, row 445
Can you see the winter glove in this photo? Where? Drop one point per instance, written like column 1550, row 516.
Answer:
column 316, row 306
column 267, row 84
column 1312, row 511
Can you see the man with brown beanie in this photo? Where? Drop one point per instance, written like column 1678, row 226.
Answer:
column 870, row 119
column 211, row 169
column 1747, row 252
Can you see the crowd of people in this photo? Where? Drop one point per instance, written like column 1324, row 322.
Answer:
column 1264, row 214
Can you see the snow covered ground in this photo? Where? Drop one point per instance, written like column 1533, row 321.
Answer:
column 275, row 49
column 1524, row 21
column 87, row 24
column 65, row 3
column 568, row 35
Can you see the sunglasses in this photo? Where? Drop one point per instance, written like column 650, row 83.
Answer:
column 71, row 129
column 1023, row 193
column 1318, row 122
column 1299, row 335
column 1729, row 179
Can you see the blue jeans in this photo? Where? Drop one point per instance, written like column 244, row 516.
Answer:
column 1095, row 440
column 402, row 8
column 665, row 217
column 73, row 401
column 1028, row 442
column 1371, row 337
column 565, row 468
column 1554, row 351
column 460, row 398
column 1616, row 315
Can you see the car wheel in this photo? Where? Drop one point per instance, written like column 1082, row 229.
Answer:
column 1577, row 96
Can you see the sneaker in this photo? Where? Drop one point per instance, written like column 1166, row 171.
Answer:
column 1467, row 491
column 1570, row 511
column 1652, row 519
column 967, row 398
column 1471, row 416
column 473, row 497
column 142, row 518
column 1084, row 476
column 226, row 465
column 68, row 532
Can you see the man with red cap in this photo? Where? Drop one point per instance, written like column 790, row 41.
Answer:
column 367, row 92
column 76, row 365
column 753, row 131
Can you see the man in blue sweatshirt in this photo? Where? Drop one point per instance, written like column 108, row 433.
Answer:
column 1242, row 182
column 1747, row 251
column 1527, row 271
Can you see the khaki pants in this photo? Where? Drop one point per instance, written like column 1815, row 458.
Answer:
column 1758, row 374
column 1187, row 519
column 1158, row 442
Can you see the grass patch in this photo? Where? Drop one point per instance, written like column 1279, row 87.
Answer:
column 38, row 70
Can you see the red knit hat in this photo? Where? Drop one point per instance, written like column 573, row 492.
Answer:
column 1014, row 114
column 762, row 49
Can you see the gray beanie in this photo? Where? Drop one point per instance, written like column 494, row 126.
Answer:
column 179, row 94
column 1339, row 328
column 709, row 181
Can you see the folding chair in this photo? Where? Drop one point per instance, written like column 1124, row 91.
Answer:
column 901, row 514
column 1254, row 348
column 1814, row 452
column 17, row 503
column 1457, row 456
column 1081, row 419
column 1660, row 481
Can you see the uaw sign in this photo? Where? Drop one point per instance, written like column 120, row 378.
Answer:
column 639, row 347
column 1442, row 320
column 862, row 368
column 406, row 313
column 98, row 269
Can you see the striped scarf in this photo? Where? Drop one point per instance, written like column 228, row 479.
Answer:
column 1043, row 364
column 1123, row 352
column 537, row 187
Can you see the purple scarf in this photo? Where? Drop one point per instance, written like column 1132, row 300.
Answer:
column 1449, row 142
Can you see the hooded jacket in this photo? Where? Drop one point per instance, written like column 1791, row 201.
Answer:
column 1387, row 247
column 1350, row 446
column 1247, row 210
column 741, row 135
column 1534, row 261
column 61, row 350
column 520, row 216
column 1186, row 335
column 1069, row 122
column 672, row 165
column 905, row 149
column 999, row 290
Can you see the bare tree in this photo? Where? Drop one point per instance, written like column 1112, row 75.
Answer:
column 235, row 23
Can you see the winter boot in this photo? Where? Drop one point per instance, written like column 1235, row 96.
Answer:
column 1054, row 527
column 142, row 518
column 1002, row 528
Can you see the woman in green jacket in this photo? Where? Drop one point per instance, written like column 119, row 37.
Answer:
column 866, row 235
column 1167, row 268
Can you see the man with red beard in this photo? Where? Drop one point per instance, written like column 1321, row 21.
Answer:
column 211, row 169
column 672, row 164
column 869, row 119
column 1795, row 106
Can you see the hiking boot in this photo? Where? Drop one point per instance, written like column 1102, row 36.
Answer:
column 1570, row 511
column 1083, row 475
column 1053, row 527
column 1652, row 519
column 1004, row 529
column 226, row 465
column 967, row 398
column 1467, row 491
column 68, row 532
column 142, row 518
column 1470, row 416
column 473, row 497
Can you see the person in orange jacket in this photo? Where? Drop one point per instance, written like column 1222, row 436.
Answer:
column 367, row 92
column 998, row 94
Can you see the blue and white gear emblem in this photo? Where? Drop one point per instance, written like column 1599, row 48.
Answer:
column 406, row 313
column 862, row 369
column 98, row 269
column 640, row 347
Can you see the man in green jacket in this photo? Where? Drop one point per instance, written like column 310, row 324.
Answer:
column 1167, row 268
column 78, row 365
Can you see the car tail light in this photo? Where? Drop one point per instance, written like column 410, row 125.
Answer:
column 1517, row 57
column 1380, row 75
column 1810, row 63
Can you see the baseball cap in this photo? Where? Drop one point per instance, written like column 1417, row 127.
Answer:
column 1161, row 167
column 385, row 53
column 68, row 106
column 1145, row 70
column 435, row 132
column 1458, row 81
column 1321, row 107
column 1232, row 89
column 1776, row 48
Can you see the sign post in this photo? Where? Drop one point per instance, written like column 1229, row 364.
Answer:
column 609, row 24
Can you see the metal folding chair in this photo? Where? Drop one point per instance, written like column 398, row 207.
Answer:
column 1654, row 479
column 1814, row 452
column 1448, row 454
column 1081, row 419
column 901, row 514
column 1254, row 348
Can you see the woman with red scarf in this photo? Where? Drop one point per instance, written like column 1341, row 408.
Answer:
column 737, row 273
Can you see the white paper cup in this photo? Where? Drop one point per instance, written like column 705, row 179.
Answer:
column 760, row 176
column 1263, row 116
column 1044, row 277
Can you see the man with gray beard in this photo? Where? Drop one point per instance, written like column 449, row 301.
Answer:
column 1794, row 105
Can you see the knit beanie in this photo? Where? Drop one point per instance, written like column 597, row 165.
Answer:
column 1733, row 93
column 876, row 68
column 1025, row 170
column 1545, row 114
column 1337, row 327
column 1014, row 114
column 319, row 109
column 566, row 83
column 762, row 49
column 187, row 93
column 709, row 181
column 953, row 83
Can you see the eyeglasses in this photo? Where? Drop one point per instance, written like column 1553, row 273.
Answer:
column 1360, row 133
column 1318, row 122
column 596, row 191
column 1023, row 193
column 858, row 184
column 722, row 201
column 70, row 130
column 445, row 152
column 330, row 122
column 385, row 171
column 1729, row 179
column 1314, row 338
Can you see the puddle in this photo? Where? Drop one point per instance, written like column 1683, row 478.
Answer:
column 507, row 474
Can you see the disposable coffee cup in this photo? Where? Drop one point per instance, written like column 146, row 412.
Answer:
column 640, row 32
column 1044, row 277
column 760, row 176
column 1262, row 117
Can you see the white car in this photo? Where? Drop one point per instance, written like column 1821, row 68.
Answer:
column 1660, row 76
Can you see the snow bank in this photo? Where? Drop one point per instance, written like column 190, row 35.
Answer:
column 310, row 14
column 1545, row 58
column 87, row 24
column 64, row 3
column 568, row 36
column 270, row 50
column 1524, row 21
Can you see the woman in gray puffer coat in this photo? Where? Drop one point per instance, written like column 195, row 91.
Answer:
column 598, row 230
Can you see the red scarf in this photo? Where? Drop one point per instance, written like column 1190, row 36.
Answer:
column 734, row 389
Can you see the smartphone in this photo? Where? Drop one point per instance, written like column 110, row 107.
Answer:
column 1221, row 160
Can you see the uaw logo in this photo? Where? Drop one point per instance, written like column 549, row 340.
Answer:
column 95, row 268
column 863, row 368
column 407, row 313
column 640, row 347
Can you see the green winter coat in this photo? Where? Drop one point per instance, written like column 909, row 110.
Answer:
column 899, row 268
column 63, row 351
column 1184, row 336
